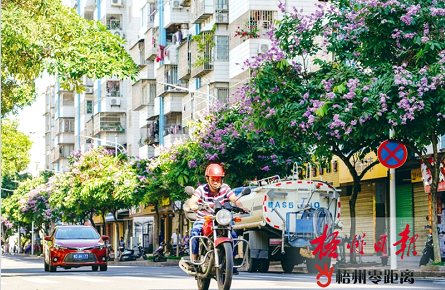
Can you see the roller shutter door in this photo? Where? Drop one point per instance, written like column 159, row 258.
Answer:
column 364, row 217
column 421, row 210
column 404, row 209
column 364, row 213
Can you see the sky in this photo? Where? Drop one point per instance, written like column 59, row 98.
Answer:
column 32, row 123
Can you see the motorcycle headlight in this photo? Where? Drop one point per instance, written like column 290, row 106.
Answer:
column 224, row 217
column 100, row 247
column 59, row 247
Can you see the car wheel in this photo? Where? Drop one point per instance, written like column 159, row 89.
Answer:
column 95, row 268
column 52, row 268
column 45, row 266
column 103, row 268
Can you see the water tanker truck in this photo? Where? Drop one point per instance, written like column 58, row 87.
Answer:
column 285, row 215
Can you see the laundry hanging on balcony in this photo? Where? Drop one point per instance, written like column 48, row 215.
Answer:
column 162, row 52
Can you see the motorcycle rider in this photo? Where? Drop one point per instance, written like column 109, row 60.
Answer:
column 214, row 190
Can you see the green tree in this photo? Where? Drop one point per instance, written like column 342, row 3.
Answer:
column 11, row 182
column 40, row 36
column 15, row 148
column 98, row 183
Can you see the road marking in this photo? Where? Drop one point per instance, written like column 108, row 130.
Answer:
column 139, row 278
column 39, row 280
column 88, row 279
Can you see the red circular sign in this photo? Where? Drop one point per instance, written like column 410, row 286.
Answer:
column 392, row 154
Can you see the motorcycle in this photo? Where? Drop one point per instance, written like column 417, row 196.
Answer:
column 110, row 251
column 181, row 251
column 428, row 251
column 129, row 254
column 158, row 255
column 216, row 244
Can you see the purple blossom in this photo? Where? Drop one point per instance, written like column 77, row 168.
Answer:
column 265, row 168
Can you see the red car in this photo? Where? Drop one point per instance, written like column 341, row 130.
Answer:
column 75, row 246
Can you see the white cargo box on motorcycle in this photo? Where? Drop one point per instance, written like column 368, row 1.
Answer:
column 285, row 215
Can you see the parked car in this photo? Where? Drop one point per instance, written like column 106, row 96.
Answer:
column 75, row 246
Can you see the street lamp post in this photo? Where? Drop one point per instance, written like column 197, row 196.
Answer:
column 208, row 95
column 118, row 146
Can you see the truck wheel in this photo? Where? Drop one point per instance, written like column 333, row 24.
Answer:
column 310, row 264
column 263, row 265
column 252, row 264
column 287, row 267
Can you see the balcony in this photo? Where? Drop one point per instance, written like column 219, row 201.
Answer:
column 109, row 122
column 137, row 53
column 184, row 63
column 151, row 43
column 173, row 104
column 201, row 57
column 60, row 152
column 221, row 14
column 110, row 104
column 170, row 139
column 171, row 56
column 144, row 93
column 114, row 24
column 168, row 74
column 200, row 10
column 174, row 13
column 146, row 151
column 89, row 128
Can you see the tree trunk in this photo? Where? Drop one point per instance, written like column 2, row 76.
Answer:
column 92, row 220
column 116, row 227
column 433, row 191
column 156, row 228
column 103, row 222
column 355, row 190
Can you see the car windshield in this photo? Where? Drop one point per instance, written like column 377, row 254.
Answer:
column 76, row 233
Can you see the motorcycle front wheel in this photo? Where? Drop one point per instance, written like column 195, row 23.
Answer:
column 224, row 274
column 144, row 256
column 203, row 284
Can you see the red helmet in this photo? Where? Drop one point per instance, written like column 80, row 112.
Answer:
column 214, row 170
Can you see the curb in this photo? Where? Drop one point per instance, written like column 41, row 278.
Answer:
column 145, row 263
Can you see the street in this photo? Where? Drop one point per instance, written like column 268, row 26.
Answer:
column 20, row 272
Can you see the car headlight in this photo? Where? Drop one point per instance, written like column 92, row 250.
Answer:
column 224, row 217
column 59, row 247
column 100, row 247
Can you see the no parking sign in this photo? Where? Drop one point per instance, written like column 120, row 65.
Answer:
column 392, row 154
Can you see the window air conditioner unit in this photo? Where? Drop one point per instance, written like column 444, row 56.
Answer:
column 264, row 48
column 117, row 3
column 115, row 102
column 177, row 4
column 89, row 90
column 119, row 33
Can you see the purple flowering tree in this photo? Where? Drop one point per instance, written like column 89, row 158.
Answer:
column 401, row 45
column 342, row 77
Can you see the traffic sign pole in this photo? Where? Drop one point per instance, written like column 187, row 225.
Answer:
column 392, row 212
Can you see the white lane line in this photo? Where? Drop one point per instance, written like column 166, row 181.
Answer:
column 39, row 280
column 138, row 278
column 88, row 279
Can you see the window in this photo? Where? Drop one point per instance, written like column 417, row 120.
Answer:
column 89, row 107
column 144, row 16
column 222, row 48
column 198, row 83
